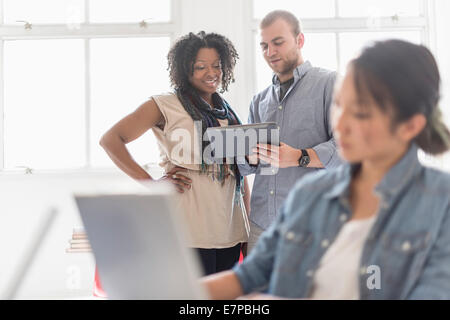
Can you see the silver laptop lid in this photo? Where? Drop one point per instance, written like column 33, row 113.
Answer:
column 139, row 245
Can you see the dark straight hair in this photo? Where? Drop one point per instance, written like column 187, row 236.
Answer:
column 403, row 78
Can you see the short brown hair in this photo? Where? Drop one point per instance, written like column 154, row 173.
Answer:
column 286, row 16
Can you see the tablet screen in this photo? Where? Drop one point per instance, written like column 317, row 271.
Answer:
column 238, row 140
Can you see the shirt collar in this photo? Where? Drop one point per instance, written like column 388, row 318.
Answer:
column 402, row 173
column 299, row 72
column 394, row 180
column 342, row 184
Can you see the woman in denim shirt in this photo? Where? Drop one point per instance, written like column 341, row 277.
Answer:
column 379, row 226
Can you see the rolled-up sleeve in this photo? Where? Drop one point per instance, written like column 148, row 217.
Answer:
column 327, row 151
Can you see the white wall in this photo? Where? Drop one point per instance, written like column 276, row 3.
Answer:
column 440, row 45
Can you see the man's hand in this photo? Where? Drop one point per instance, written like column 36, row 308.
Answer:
column 252, row 159
column 283, row 156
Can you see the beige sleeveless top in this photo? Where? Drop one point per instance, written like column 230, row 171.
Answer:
column 214, row 218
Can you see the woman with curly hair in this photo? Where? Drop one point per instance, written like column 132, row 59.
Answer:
column 210, row 194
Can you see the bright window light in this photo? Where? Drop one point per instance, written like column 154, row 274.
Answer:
column 104, row 11
column 301, row 8
column 44, row 104
column 43, row 11
column 124, row 74
column 379, row 8
column 351, row 43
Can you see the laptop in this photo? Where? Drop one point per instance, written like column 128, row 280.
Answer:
column 139, row 244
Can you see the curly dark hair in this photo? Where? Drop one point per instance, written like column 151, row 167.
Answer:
column 182, row 56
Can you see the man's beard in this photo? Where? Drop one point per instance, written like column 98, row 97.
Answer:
column 289, row 65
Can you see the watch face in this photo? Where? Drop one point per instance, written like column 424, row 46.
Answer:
column 305, row 161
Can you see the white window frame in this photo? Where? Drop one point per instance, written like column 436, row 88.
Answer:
column 85, row 31
column 338, row 25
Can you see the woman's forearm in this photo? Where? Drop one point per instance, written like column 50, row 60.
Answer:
column 223, row 286
column 118, row 152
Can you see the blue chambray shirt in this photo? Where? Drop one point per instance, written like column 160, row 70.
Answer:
column 409, row 241
column 304, row 121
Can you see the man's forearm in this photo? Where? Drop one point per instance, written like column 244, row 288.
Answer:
column 314, row 159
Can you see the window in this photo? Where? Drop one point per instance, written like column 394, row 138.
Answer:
column 335, row 30
column 44, row 80
column 72, row 68
column 303, row 8
column 115, row 11
column 43, row 11
column 133, row 81
column 352, row 42
column 380, row 8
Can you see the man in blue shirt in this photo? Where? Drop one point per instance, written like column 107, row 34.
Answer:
column 298, row 100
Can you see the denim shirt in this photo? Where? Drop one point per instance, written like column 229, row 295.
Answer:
column 304, row 121
column 405, row 256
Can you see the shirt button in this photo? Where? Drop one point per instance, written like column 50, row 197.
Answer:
column 280, row 107
column 325, row 243
column 273, row 170
column 290, row 235
column 271, row 192
column 309, row 273
column 343, row 217
column 406, row 246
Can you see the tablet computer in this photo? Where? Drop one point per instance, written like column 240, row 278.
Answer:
column 238, row 140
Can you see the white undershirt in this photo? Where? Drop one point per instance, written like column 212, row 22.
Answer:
column 338, row 274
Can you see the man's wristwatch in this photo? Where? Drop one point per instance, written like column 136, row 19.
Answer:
column 304, row 159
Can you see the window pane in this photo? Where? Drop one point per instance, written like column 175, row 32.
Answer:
column 351, row 43
column 320, row 50
column 125, row 73
column 44, row 104
column 129, row 10
column 43, row 11
column 313, row 51
column 301, row 8
column 379, row 8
